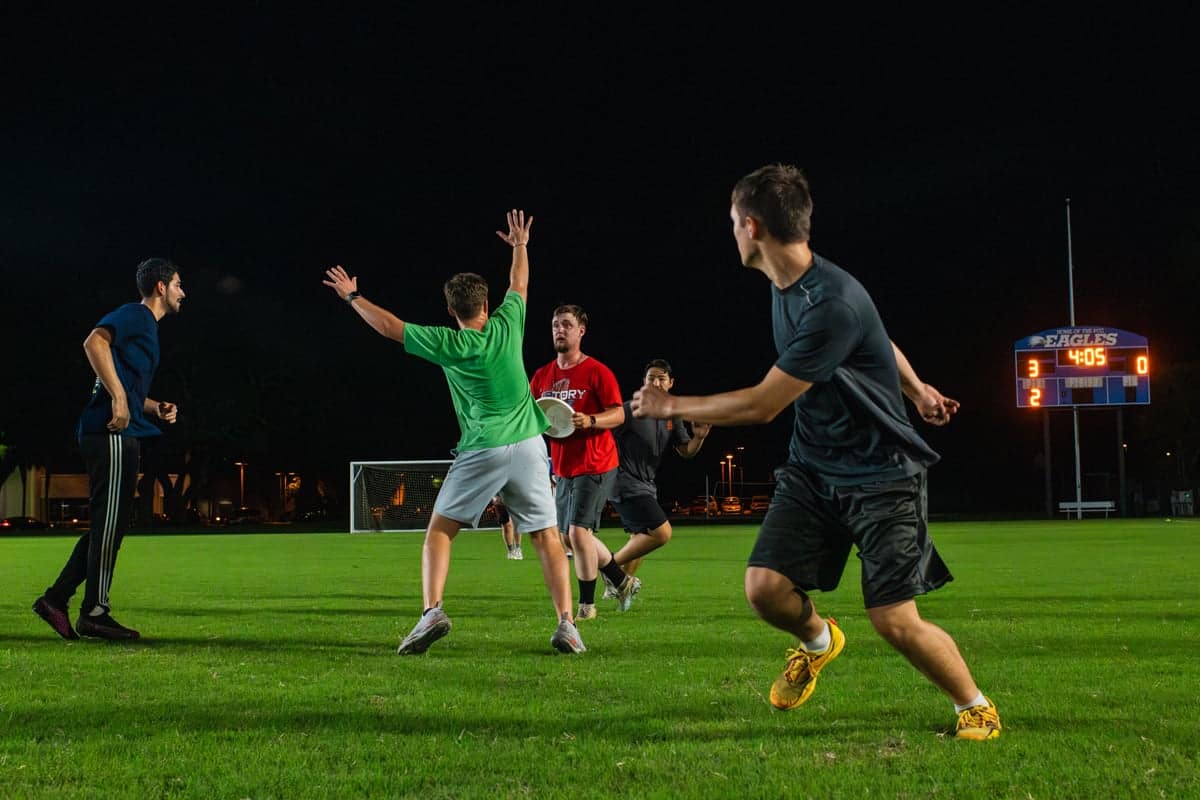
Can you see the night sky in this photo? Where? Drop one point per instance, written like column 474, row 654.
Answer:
column 259, row 149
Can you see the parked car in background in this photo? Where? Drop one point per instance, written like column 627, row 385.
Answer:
column 759, row 504
column 245, row 516
column 22, row 524
column 704, row 506
column 731, row 505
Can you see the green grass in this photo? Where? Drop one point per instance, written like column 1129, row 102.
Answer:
column 269, row 670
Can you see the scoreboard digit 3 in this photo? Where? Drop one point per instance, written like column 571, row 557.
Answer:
column 1082, row 367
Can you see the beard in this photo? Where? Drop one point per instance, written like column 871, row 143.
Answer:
column 561, row 346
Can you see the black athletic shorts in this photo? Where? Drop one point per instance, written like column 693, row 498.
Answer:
column 640, row 513
column 811, row 526
column 580, row 500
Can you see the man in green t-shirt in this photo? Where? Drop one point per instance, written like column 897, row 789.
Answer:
column 501, row 450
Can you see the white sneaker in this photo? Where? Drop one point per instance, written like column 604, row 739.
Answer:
column 566, row 639
column 629, row 589
column 586, row 611
column 517, row 555
column 433, row 625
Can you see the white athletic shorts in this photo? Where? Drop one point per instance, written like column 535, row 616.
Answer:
column 516, row 472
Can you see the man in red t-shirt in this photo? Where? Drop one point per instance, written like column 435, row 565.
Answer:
column 586, row 461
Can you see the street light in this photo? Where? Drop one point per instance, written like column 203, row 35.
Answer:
column 241, row 465
column 741, row 452
column 729, row 461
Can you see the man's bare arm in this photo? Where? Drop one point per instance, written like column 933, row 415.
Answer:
column 754, row 405
column 518, row 238
column 383, row 321
column 98, row 349
column 934, row 408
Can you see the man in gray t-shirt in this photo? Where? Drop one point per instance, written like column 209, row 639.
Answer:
column 855, row 475
column 641, row 444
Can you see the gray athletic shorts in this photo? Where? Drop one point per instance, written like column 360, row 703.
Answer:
column 516, row 472
column 580, row 500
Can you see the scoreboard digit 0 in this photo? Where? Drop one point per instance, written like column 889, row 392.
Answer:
column 1082, row 367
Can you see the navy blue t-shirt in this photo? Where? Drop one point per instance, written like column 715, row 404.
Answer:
column 640, row 447
column 135, row 355
column 851, row 426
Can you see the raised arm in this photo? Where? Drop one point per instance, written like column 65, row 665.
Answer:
column 383, row 321
column 518, row 239
column 933, row 407
column 753, row 405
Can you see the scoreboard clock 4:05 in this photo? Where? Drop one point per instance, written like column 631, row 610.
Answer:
column 1082, row 367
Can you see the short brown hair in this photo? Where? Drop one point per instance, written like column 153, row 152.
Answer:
column 569, row 308
column 466, row 293
column 777, row 195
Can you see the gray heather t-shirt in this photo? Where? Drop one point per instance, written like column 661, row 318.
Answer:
column 640, row 446
column 851, row 426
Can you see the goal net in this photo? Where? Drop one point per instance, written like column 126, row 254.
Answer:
column 390, row 496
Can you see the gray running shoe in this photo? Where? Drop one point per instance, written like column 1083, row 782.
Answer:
column 610, row 591
column 586, row 611
column 433, row 625
column 629, row 589
column 566, row 639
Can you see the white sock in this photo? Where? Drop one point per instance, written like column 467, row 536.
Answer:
column 821, row 643
column 979, row 700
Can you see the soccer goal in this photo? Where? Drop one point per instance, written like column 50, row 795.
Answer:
column 387, row 496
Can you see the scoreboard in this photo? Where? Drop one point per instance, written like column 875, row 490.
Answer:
column 1082, row 367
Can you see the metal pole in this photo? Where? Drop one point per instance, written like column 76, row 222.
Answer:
column 1070, row 267
column 1046, row 463
column 1121, row 505
column 1074, row 409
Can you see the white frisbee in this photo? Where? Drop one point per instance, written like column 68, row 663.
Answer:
column 559, row 414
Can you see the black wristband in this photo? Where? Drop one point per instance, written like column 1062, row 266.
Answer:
column 593, row 418
column 350, row 298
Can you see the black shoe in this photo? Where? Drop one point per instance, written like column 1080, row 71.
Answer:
column 55, row 617
column 105, row 627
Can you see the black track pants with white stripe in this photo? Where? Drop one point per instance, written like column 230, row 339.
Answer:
column 112, row 466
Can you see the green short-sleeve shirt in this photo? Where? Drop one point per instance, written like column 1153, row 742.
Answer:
column 486, row 374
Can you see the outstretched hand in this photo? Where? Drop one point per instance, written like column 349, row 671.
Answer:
column 518, row 228
column 340, row 282
column 651, row 401
column 934, row 407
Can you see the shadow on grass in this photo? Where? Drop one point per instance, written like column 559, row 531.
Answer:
column 373, row 716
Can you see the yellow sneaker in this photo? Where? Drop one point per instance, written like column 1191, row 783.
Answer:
column 799, row 677
column 978, row 723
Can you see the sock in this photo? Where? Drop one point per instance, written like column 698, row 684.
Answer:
column 612, row 570
column 821, row 643
column 511, row 547
column 431, row 608
column 979, row 700
column 587, row 592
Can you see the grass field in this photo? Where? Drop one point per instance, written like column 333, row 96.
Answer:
column 269, row 670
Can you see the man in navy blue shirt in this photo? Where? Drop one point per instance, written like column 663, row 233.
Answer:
column 855, row 474
column 123, row 352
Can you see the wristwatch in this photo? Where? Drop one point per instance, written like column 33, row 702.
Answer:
column 350, row 298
